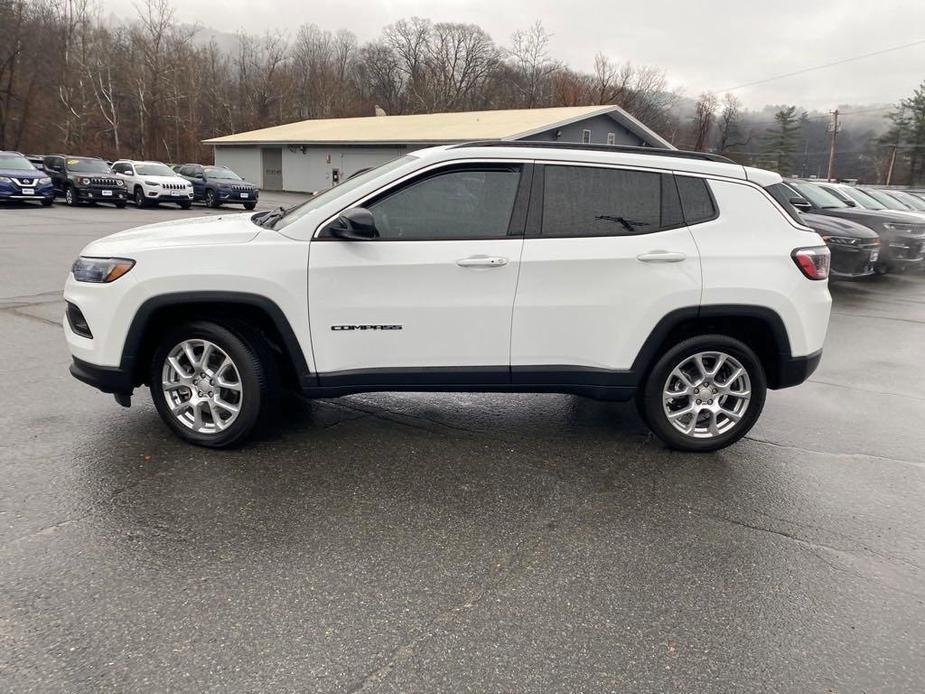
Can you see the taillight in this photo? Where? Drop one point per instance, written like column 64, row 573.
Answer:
column 813, row 262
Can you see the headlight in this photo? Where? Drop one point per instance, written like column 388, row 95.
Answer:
column 5, row 179
column 152, row 183
column 85, row 181
column 897, row 226
column 44, row 180
column 843, row 240
column 100, row 270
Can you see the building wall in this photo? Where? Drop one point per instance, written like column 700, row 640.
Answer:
column 244, row 161
column 313, row 170
column 599, row 127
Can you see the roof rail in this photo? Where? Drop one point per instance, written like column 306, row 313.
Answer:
column 626, row 149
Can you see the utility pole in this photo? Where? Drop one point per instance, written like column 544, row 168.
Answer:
column 834, row 129
column 889, row 172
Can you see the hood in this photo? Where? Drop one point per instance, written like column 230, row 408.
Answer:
column 19, row 173
column 203, row 231
column 868, row 217
column 231, row 182
column 163, row 179
column 836, row 226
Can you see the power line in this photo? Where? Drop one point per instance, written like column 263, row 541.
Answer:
column 826, row 65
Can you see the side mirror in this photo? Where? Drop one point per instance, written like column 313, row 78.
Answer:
column 851, row 203
column 355, row 224
column 802, row 204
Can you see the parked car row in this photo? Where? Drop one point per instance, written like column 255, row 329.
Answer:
column 868, row 230
column 81, row 180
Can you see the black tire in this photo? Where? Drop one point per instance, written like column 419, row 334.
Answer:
column 250, row 205
column 47, row 202
column 650, row 398
column 120, row 205
column 212, row 199
column 140, row 200
column 252, row 358
column 70, row 196
column 185, row 205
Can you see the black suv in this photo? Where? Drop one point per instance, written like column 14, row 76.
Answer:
column 902, row 238
column 84, row 179
column 218, row 185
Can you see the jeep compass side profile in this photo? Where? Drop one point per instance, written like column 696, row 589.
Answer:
column 615, row 273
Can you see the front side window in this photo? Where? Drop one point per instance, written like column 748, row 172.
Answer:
column 886, row 200
column 588, row 201
column 465, row 203
column 817, row 196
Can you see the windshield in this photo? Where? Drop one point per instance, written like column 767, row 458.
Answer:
column 87, row 166
column 912, row 201
column 886, row 200
column 862, row 199
column 154, row 170
column 11, row 161
column 816, row 195
column 221, row 172
column 325, row 196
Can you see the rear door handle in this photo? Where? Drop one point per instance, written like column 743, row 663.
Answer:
column 661, row 257
column 482, row 261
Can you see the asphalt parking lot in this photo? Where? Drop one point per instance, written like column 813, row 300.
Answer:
column 440, row 542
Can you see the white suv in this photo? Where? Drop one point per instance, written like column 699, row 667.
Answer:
column 151, row 182
column 615, row 273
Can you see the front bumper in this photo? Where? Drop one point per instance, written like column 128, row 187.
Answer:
column 8, row 192
column 109, row 379
column 101, row 194
column 903, row 251
column 852, row 262
column 229, row 196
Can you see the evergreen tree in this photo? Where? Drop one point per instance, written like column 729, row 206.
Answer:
column 781, row 139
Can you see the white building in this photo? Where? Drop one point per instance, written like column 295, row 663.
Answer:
column 312, row 155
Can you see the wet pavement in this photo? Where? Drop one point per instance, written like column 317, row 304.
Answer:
column 444, row 542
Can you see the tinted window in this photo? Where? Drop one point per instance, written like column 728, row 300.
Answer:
column 587, row 201
column 782, row 194
column 465, row 203
column 696, row 200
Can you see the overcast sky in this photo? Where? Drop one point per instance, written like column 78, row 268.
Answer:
column 702, row 45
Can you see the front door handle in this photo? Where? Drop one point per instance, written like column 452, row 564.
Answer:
column 661, row 257
column 482, row 261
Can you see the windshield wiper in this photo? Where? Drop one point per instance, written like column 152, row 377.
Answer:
column 272, row 217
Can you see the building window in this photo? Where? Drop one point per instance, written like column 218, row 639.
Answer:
column 586, row 137
column 611, row 139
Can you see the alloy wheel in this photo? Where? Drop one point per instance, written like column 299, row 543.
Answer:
column 202, row 386
column 707, row 394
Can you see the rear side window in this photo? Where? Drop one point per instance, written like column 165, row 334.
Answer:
column 696, row 200
column 588, row 201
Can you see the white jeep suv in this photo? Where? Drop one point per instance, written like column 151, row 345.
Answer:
column 151, row 182
column 614, row 273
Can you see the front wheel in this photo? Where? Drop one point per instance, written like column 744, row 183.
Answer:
column 250, row 205
column 212, row 199
column 140, row 200
column 47, row 202
column 70, row 196
column 212, row 385
column 705, row 393
column 185, row 205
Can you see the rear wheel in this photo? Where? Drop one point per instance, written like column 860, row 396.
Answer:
column 704, row 393
column 212, row 385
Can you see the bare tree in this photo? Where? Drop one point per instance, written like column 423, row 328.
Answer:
column 704, row 117
column 533, row 66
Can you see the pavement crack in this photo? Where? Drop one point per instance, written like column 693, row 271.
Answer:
column 832, row 454
column 46, row 321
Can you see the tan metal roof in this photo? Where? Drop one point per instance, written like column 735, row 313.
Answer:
column 434, row 127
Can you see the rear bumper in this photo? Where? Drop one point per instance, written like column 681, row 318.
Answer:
column 109, row 379
column 792, row 371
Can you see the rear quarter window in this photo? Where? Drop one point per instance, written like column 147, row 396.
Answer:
column 697, row 201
